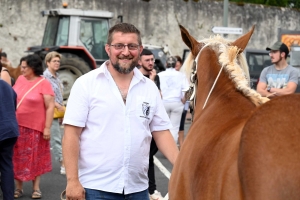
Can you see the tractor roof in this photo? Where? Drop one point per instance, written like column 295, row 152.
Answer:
column 78, row 12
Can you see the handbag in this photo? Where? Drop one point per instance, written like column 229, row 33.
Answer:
column 57, row 113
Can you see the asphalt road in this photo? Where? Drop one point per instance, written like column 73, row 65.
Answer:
column 53, row 183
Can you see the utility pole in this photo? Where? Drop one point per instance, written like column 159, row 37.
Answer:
column 225, row 15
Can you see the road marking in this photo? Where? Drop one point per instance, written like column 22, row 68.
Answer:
column 161, row 167
column 164, row 170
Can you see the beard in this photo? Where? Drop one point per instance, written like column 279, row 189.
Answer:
column 147, row 69
column 125, row 70
column 276, row 62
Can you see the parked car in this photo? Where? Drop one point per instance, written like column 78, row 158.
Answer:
column 257, row 60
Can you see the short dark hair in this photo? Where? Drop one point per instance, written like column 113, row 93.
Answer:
column 0, row 67
column 3, row 54
column 179, row 59
column 123, row 28
column 171, row 62
column 146, row 52
column 34, row 62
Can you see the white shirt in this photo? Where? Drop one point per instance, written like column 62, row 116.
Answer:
column 173, row 84
column 115, row 141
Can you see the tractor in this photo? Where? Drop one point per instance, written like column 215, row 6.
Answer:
column 80, row 36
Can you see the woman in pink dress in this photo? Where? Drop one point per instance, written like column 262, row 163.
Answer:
column 35, row 105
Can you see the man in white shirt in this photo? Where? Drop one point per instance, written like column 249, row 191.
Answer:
column 110, row 116
column 146, row 62
column 186, row 106
column 173, row 85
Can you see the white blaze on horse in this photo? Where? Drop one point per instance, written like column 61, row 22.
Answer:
column 240, row 145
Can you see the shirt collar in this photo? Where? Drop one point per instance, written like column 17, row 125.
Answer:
column 47, row 71
column 170, row 69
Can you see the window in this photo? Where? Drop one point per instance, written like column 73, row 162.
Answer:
column 50, row 31
column 56, row 31
column 93, row 34
column 63, row 31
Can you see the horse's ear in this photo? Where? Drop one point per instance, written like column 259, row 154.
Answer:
column 242, row 42
column 189, row 40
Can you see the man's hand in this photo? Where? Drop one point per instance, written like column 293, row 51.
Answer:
column 152, row 74
column 271, row 95
column 74, row 190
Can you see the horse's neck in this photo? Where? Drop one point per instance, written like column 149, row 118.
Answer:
column 14, row 72
column 224, row 100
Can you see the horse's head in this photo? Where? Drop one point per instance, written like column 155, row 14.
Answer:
column 218, row 67
column 194, row 45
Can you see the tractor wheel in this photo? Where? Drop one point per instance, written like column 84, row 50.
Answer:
column 71, row 67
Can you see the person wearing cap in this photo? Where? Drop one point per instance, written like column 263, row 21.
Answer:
column 173, row 85
column 280, row 78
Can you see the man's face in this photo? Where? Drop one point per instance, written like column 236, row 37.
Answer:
column 125, row 59
column 276, row 56
column 3, row 59
column 178, row 65
column 147, row 62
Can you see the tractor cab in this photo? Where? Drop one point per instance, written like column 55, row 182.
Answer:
column 88, row 29
column 80, row 36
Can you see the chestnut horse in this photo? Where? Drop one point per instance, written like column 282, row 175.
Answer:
column 240, row 145
column 14, row 72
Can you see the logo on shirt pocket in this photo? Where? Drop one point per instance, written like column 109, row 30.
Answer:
column 145, row 110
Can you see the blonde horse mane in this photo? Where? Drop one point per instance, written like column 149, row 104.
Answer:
column 234, row 64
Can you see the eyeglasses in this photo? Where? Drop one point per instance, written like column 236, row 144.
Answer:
column 54, row 61
column 120, row 46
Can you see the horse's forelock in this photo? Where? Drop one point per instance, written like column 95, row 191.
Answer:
column 187, row 65
column 237, row 68
column 235, row 65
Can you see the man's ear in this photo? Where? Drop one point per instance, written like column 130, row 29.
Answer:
column 107, row 49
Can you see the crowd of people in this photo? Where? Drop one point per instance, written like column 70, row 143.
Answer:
column 28, row 125
column 141, row 111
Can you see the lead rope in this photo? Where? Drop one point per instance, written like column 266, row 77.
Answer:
column 194, row 82
column 212, row 87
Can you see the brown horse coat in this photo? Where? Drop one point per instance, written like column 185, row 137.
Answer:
column 234, row 149
column 13, row 72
